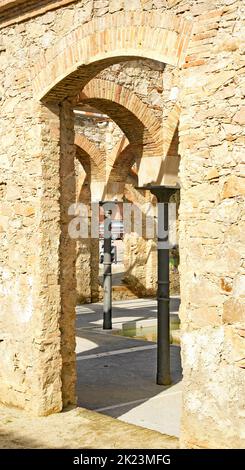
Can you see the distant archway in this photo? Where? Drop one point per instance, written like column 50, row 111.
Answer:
column 131, row 114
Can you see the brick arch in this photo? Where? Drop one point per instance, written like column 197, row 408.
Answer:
column 91, row 158
column 124, row 154
column 123, row 163
column 113, row 156
column 101, row 167
column 130, row 113
column 66, row 67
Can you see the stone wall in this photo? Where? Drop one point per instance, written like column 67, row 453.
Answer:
column 211, row 227
column 37, row 185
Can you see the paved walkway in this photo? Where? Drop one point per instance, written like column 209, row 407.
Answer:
column 117, row 375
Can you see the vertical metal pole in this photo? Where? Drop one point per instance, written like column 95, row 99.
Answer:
column 107, row 285
column 163, row 324
column 163, row 194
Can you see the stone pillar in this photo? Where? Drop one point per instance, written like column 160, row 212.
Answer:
column 30, row 286
column 67, row 255
column 87, row 270
column 83, row 254
column 83, row 271
column 46, row 393
column 140, row 263
column 140, row 252
column 94, row 266
column 53, row 321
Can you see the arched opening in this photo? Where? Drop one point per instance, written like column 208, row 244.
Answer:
column 66, row 82
column 50, row 51
column 95, row 388
column 144, row 136
column 66, row 67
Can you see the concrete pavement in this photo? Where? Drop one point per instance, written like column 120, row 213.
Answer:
column 117, row 375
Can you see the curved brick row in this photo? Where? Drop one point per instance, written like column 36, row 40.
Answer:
column 91, row 158
column 64, row 68
column 98, row 166
column 130, row 113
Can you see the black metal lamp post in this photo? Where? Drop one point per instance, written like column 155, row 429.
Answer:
column 163, row 194
column 107, row 282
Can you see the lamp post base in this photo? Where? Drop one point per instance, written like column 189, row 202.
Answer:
column 163, row 380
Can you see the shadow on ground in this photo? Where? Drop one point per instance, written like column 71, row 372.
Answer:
column 117, row 374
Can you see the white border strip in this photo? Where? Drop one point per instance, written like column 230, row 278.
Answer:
column 135, row 402
column 117, row 351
